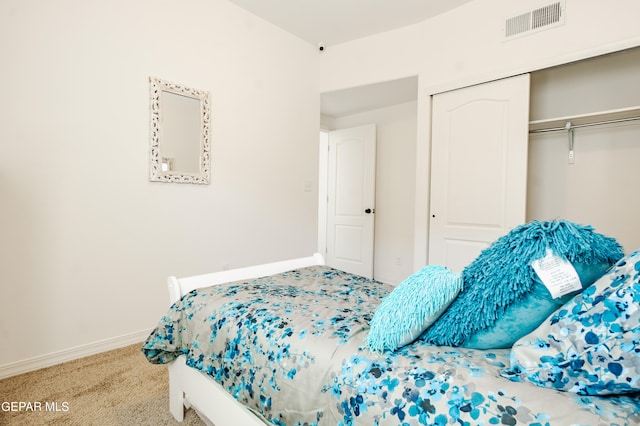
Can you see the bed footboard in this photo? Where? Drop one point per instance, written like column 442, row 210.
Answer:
column 178, row 287
column 189, row 387
column 176, row 395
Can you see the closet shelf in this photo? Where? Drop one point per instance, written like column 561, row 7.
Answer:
column 601, row 117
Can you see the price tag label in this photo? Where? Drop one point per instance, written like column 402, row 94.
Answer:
column 557, row 274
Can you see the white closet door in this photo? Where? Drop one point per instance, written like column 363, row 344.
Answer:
column 479, row 168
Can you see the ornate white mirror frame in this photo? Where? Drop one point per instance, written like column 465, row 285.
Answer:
column 179, row 133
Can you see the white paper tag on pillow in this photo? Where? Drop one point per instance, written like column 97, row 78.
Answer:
column 557, row 274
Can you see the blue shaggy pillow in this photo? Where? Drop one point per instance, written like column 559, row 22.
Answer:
column 591, row 346
column 411, row 307
column 504, row 299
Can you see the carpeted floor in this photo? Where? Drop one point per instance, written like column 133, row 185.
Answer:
column 113, row 388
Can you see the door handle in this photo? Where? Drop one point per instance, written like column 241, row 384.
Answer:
column 369, row 211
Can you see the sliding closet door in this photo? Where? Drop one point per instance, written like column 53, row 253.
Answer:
column 479, row 168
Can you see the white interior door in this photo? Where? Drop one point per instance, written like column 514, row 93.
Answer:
column 351, row 199
column 479, row 168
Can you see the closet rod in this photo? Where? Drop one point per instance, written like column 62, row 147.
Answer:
column 576, row 126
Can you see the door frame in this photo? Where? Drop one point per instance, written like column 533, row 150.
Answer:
column 323, row 193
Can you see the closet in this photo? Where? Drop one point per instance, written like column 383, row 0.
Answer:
column 587, row 171
column 582, row 133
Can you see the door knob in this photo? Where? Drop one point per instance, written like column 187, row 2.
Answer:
column 368, row 211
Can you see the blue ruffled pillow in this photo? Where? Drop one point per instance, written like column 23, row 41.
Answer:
column 503, row 298
column 412, row 307
column 591, row 346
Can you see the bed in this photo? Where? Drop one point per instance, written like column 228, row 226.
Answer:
column 287, row 343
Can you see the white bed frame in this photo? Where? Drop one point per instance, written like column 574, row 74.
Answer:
column 190, row 388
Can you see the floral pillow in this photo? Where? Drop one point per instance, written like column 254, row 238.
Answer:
column 590, row 346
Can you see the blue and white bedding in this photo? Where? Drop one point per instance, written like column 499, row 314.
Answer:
column 292, row 347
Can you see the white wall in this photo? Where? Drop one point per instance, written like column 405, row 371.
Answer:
column 87, row 241
column 395, row 187
column 464, row 47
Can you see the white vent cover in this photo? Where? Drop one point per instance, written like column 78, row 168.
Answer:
column 539, row 19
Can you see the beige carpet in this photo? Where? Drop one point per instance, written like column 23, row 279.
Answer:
column 113, row 388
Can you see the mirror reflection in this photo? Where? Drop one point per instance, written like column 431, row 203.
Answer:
column 179, row 133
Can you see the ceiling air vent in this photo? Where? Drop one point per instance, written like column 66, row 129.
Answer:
column 539, row 19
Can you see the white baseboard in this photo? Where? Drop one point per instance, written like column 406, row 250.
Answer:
column 43, row 361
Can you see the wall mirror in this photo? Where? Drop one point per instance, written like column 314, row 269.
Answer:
column 179, row 133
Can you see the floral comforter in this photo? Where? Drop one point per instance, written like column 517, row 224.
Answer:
column 292, row 348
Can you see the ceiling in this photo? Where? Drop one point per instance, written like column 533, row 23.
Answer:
column 331, row 22
column 366, row 98
column 337, row 21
